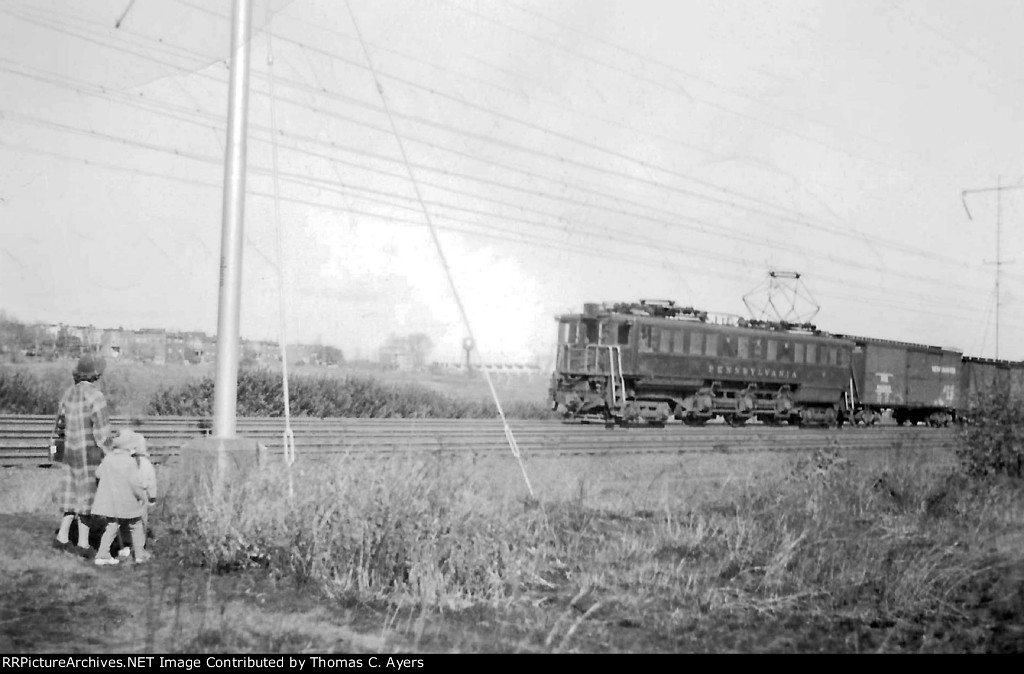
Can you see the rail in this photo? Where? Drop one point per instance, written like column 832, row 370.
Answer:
column 24, row 440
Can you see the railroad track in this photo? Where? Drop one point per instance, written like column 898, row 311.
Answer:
column 24, row 440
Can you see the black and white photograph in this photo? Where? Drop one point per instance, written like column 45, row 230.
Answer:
column 359, row 334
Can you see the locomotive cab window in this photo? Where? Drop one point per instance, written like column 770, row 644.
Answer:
column 798, row 352
column 624, row 333
column 566, row 332
column 786, row 352
column 589, row 332
column 812, row 357
column 609, row 333
column 773, row 349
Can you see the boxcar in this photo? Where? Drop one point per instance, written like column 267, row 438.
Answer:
column 981, row 376
column 917, row 383
column 653, row 361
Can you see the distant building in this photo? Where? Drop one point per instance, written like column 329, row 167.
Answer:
column 154, row 345
column 151, row 346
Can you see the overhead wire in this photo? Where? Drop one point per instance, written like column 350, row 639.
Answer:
column 176, row 152
column 838, row 231
column 797, row 217
column 288, row 434
column 509, row 435
column 714, row 229
column 499, row 234
column 628, row 240
column 562, row 47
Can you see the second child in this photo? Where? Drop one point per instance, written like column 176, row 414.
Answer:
column 121, row 498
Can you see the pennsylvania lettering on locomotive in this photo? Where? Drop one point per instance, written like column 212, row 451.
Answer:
column 745, row 371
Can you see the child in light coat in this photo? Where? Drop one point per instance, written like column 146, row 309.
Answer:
column 121, row 497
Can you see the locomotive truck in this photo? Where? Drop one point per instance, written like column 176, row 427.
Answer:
column 651, row 361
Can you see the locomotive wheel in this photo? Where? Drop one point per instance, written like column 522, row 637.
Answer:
column 694, row 420
column 735, row 420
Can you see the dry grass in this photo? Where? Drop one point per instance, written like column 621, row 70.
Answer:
column 886, row 551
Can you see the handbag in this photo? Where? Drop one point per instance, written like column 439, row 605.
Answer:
column 57, row 440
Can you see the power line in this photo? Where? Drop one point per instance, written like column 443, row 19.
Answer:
column 845, row 232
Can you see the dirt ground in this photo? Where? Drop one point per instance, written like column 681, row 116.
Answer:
column 52, row 601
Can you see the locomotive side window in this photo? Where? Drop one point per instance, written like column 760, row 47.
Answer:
column 645, row 338
column 786, row 352
column 758, row 348
column 679, row 342
column 844, row 357
column 773, row 349
column 798, row 352
column 727, row 346
column 812, row 350
column 743, row 347
column 833, row 356
column 696, row 343
column 624, row 333
column 590, row 332
column 665, row 341
column 609, row 332
column 711, row 349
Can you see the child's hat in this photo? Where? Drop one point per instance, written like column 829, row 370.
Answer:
column 130, row 440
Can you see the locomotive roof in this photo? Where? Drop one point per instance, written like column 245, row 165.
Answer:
column 667, row 310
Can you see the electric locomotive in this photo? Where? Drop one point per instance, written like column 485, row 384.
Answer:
column 651, row 360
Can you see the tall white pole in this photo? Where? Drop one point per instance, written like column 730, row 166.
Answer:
column 229, row 305
column 999, row 225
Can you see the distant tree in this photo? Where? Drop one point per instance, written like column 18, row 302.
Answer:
column 420, row 345
column 16, row 336
column 68, row 345
column 415, row 348
column 330, row 355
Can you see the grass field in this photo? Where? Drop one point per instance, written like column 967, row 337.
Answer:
column 869, row 552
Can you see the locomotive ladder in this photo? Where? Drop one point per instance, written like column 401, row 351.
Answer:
column 614, row 369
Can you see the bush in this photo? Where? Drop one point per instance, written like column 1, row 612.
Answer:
column 993, row 441
column 260, row 395
column 21, row 393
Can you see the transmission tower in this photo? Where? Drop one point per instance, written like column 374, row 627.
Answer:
column 781, row 297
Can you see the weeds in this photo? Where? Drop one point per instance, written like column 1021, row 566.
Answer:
column 993, row 443
column 830, row 555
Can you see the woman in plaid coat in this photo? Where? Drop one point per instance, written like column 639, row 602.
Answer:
column 82, row 414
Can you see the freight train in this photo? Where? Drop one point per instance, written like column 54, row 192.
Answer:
column 652, row 361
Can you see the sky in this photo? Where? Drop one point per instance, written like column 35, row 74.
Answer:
column 520, row 158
